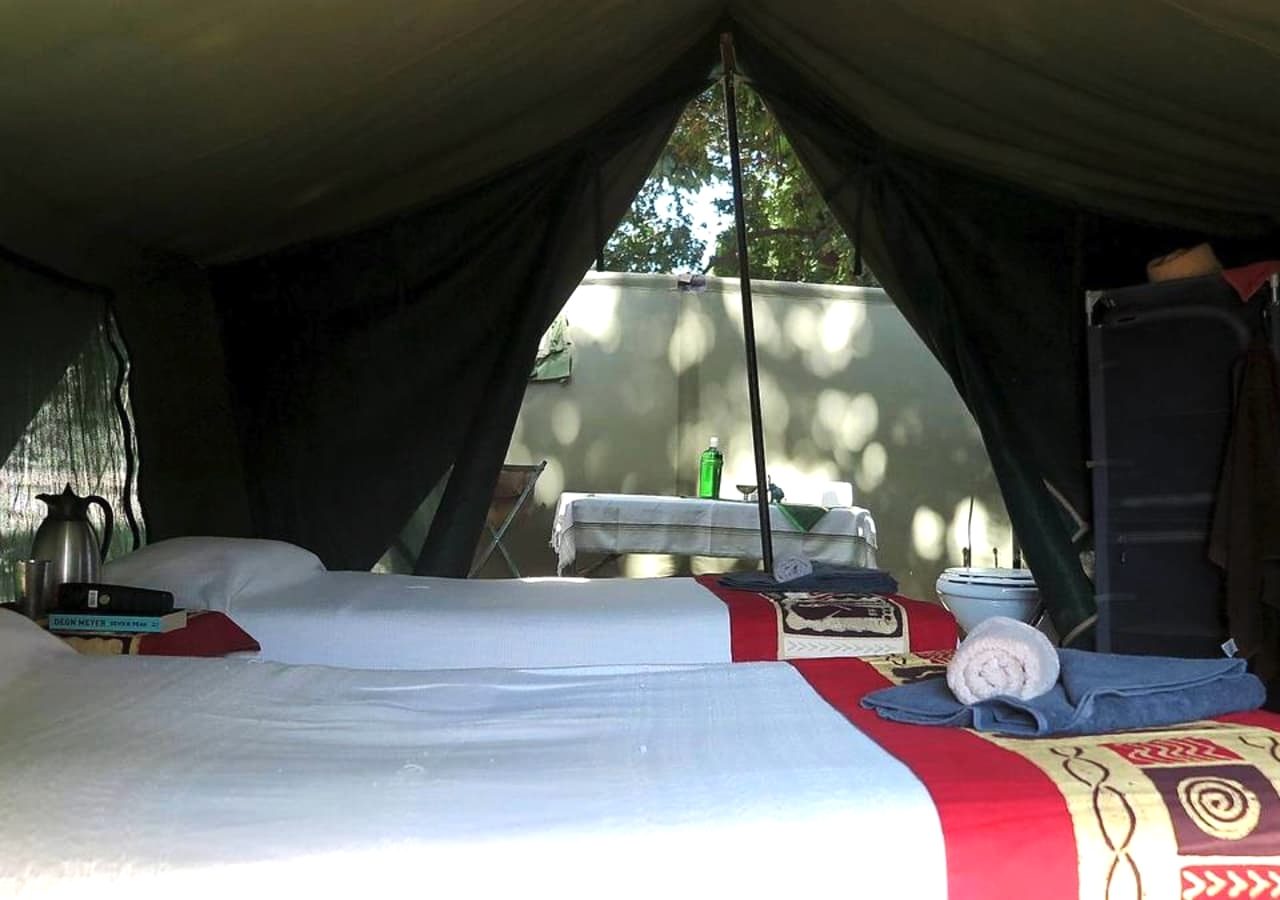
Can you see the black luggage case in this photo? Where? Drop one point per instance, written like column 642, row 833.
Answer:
column 1163, row 359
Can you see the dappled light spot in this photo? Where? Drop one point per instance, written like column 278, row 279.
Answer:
column 873, row 465
column 566, row 422
column 805, row 451
column 928, row 534
column 519, row 454
column 828, row 415
column 771, row 336
column 648, row 565
column 550, row 484
column 730, row 400
column 908, row 427
column 863, row 341
column 593, row 314
column 732, row 302
column 829, row 336
column 692, row 339
column 596, row 460
column 714, row 565
column 987, row 532
column 860, row 422
column 841, row 422
column 739, row 461
column 800, row 324
column 630, row 483
column 839, row 323
column 775, row 406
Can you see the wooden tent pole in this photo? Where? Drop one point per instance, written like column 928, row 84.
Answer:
column 748, row 320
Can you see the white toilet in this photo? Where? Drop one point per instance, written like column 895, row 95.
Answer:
column 976, row 594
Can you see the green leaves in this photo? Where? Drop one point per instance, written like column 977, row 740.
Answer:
column 792, row 235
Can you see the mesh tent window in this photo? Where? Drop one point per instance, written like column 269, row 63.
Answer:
column 81, row 432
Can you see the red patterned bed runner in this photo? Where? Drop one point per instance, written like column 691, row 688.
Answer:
column 791, row 625
column 1185, row 812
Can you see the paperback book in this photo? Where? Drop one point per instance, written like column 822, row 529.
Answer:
column 116, row 623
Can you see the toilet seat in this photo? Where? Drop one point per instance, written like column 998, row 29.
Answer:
column 974, row 594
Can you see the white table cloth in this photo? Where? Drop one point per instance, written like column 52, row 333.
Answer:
column 685, row 526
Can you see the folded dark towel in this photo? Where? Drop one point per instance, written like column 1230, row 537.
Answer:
column 825, row 577
column 1095, row 694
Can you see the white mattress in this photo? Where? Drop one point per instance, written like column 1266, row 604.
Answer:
column 149, row 777
column 362, row 620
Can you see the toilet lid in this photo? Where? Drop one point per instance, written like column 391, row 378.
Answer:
column 1005, row 578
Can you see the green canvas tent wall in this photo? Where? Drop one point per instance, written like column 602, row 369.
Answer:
column 334, row 231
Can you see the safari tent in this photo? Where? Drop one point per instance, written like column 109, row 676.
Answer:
column 332, row 233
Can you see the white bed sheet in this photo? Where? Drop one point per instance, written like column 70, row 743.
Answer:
column 362, row 620
column 225, row 778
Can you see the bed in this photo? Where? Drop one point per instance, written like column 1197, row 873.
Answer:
column 181, row 777
column 300, row 613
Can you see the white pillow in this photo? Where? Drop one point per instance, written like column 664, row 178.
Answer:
column 210, row 572
column 24, row 644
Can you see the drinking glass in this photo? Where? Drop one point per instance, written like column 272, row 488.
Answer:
column 32, row 587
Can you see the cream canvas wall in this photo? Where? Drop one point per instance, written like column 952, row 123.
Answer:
column 849, row 394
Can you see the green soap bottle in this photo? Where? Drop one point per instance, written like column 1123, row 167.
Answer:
column 710, row 465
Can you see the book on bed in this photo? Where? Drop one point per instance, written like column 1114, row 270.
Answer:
column 116, row 623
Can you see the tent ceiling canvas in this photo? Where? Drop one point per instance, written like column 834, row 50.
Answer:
column 222, row 129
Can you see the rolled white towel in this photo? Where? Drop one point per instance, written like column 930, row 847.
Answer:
column 1002, row 657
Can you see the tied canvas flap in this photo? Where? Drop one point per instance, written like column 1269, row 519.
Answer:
column 1244, row 537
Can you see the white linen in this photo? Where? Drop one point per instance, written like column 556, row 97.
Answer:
column 1002, row 657
column 363, row 620
column 207, row 572
column 24, row 645
column 685, row 526
column 152, row 777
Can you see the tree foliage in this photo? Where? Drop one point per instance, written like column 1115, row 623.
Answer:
column 792, row 235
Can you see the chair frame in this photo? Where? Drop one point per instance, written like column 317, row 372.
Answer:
column 495, row 535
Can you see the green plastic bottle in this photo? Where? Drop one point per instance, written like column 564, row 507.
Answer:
column 710, row 465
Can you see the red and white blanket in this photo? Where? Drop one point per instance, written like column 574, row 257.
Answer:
column 1188, row 812
column 814, row 625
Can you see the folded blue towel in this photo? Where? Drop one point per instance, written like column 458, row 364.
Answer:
column 1096, row 693
column 825, row 577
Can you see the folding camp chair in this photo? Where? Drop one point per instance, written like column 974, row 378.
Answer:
column 513, row 489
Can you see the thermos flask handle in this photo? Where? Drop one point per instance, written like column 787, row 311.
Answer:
column 108, row 519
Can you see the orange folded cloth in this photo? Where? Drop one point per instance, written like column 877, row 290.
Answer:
column 1189, row 262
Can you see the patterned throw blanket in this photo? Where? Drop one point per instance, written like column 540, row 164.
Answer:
column 1188, row 812
column 766, row 625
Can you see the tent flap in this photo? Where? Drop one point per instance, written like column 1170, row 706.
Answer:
column 363, row 367
column 992, row 277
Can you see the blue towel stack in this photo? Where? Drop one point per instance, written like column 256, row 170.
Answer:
column 825, row 577
column 1096, row 693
